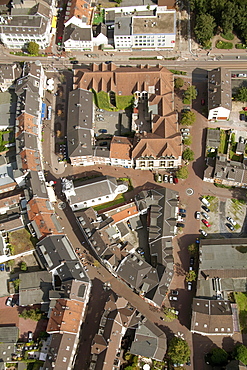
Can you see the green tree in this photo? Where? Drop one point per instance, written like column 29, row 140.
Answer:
column 33, row 48
column 188, row 140
column 227, row 18
column 16, row 283
column 193, row 248
column 191, row 276
column 242, row 94
column 182, row 172
column 23, row 266
column 219, row 356
column 32, row 314
column 169, row 314
column 240, row 353
column 204, row 28
column 190, row 93
column 188, row 154
column 179, row 82
column 188, row 118
column 178, row 350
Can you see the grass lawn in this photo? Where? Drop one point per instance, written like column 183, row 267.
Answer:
column 241, row 300
column 227, row 36
column 102, row 100
column 21, row 241
column 98, row 17
column 2, row 142
column 124, row 102
column 223, row 142
column 119, row 199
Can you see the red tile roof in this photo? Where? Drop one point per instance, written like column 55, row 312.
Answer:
column 65, row 317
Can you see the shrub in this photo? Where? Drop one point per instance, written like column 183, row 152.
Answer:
column 188, row 154
column 224, row 45
column 182, row 172
column 240, row 46
column 179, row 82
column 227, row 36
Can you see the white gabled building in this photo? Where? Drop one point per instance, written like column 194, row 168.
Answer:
column 219, row 94
column 84, row 194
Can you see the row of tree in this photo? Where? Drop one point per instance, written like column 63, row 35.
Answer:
column 224, row 15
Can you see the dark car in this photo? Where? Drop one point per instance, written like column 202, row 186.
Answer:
column 103, row 143
column 183, row 215
column 174, row 292
column 192, row 260
column 179, row 224
column 29, row 336
column 1, row 266
column 108, row 62
column 242, row 117
column 103, row 131
column 206, row 208
column 230, row 227
column 74, row 62
column 181, row 210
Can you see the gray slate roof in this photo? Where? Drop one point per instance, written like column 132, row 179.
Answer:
column 79, row 123
column 93, row 189
column 149, row 341
column 34, row 287
column 56, row 253
column 219, row 89
column 73, row 32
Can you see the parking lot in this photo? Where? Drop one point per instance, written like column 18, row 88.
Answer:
column 217, row 218
column 112, row 123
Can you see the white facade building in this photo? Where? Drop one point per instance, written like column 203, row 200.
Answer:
column 142, row 28
column 97, row 191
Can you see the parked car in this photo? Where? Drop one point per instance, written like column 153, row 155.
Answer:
column 203, row 232
column 172, row 298
column 242, row 75
column 242, row 117
column 206, row 223
column 140, row 251
column 182, row 210
column 245, row 108
column 108, row 62
column 103, row 143
column 1, row 266
column 165, row 178
column 184, row 134
column 197, row 215
column 233, row 75
column 9, row 301
column 234, row 223
column 206, row 208
column 174, row 292
column 185, row 130
column 103, row 131
column 205, row 215
column 159, row 178
column 129, row 225
column 230, row 227
column 74, row 62
column 171, row 179
column 203, row 102
column 183, row 215
column 29, row 336
column 189, row 285
column 175, row 179
column 205, row 202
column 179, row 224
column 184, row 110
column 192, row 260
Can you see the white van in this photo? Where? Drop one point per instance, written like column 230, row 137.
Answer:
column 205, row 202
